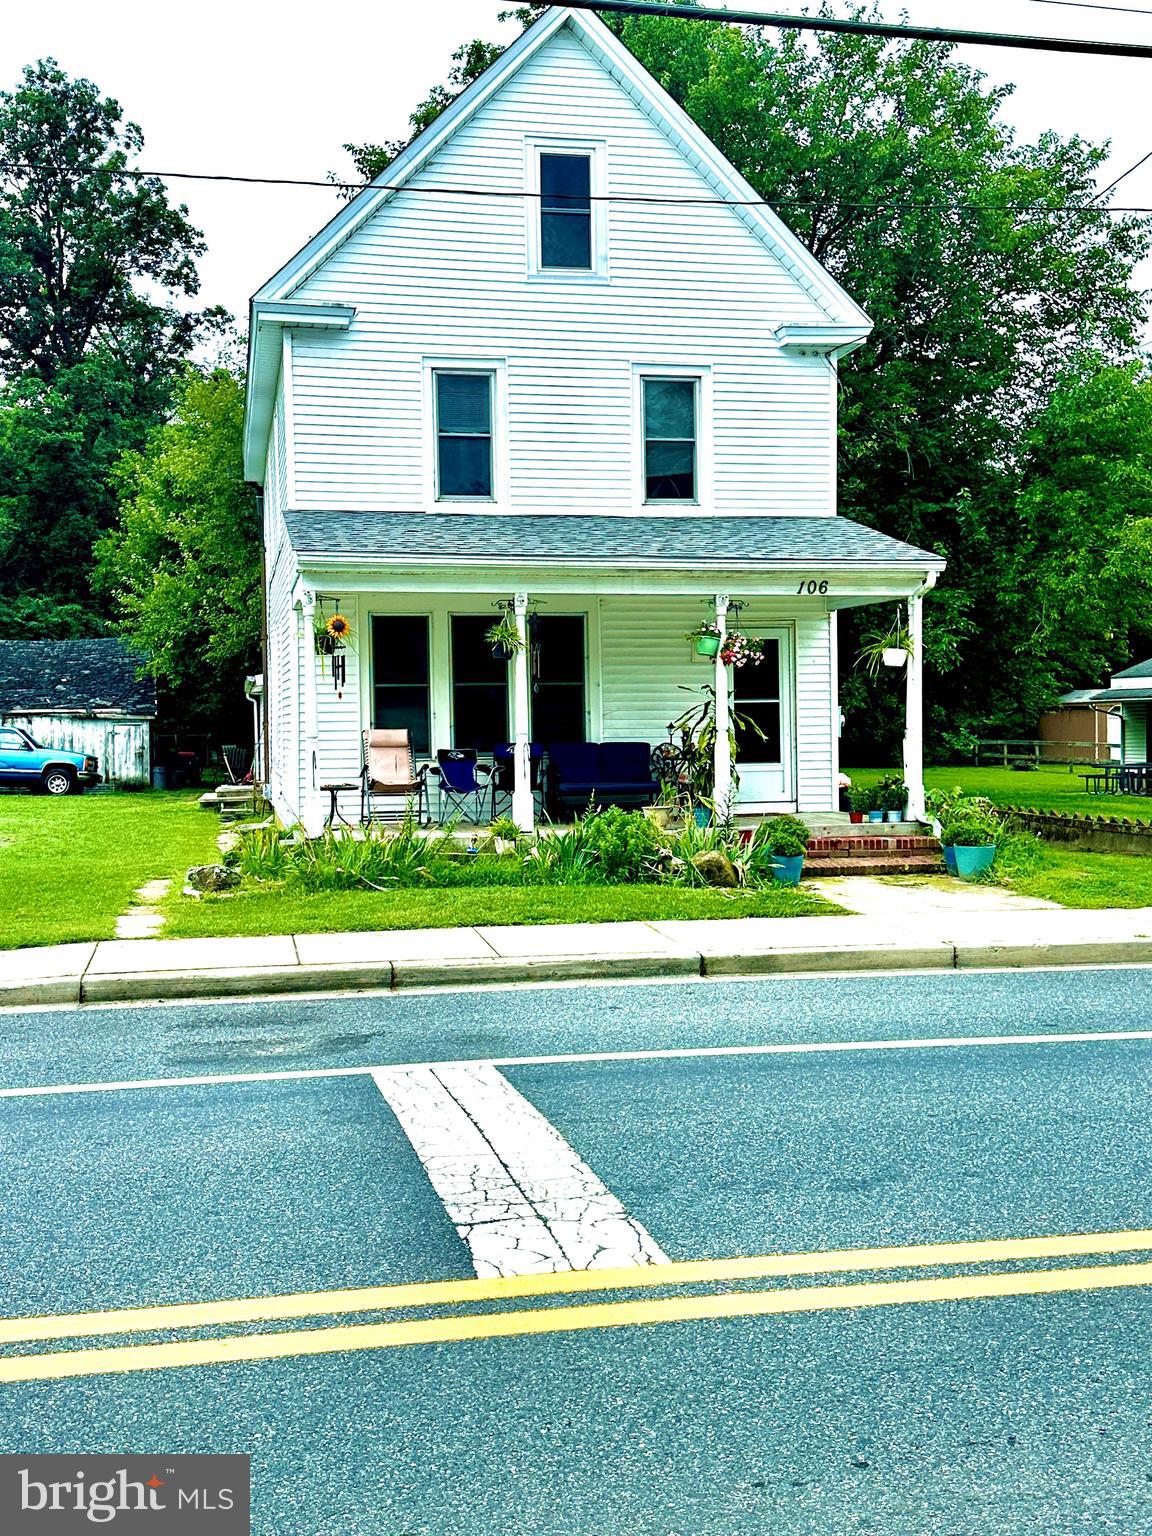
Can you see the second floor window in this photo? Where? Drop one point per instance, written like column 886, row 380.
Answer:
column 670, row 439
column 464, row 436
column 566, row 211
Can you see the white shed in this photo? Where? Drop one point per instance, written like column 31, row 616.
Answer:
column 82, row 696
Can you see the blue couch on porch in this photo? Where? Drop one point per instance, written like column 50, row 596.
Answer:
column 603, row 773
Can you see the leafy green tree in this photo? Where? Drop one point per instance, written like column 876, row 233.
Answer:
column 95, row 264
column 988, row 272
column 182, row 568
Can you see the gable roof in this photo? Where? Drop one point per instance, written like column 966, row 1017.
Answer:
column 845, row 324
column 73, row 676
column 509, row 539
column 1141, row 669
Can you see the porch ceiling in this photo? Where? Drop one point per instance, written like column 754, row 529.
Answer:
column 651, row 542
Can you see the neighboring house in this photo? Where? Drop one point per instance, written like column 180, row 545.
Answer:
column 1079, row 730
column 1129, row 694
column 82, row 696
column 614, row 413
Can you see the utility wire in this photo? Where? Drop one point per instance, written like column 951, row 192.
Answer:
column 870, row 28
column 1112, row 185
column 644, row 198
column 1093, row 5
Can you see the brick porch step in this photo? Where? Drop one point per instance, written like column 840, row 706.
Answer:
column 871, row 842
column 878, row 863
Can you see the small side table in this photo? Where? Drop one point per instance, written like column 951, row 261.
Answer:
column 334, row 813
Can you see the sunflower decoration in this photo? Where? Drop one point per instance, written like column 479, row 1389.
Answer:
column 332, row 634
column 339, row 628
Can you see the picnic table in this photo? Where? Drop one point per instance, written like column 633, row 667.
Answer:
column 1118, row 779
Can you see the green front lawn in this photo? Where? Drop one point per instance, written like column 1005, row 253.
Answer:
column 68, row 867
column 279, row 910
column 1075, row 877
column 1050, row 788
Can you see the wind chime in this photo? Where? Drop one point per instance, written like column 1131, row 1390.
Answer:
column 332, row 636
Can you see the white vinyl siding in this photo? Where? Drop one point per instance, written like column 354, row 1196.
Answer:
column 645, row 660
column 687, row 286
column 1136, row 733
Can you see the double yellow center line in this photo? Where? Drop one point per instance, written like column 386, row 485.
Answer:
column 616, row 1313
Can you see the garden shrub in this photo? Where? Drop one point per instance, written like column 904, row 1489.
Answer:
column 622, row 843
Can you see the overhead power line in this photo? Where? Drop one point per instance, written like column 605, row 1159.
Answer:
column 1094, row 5
column 1112, row 185
column 871, row 28
column 433, row 189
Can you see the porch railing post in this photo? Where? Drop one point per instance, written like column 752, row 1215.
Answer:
column 523, row 808
column 310, row 810
column 722, row 748
column 914, row 711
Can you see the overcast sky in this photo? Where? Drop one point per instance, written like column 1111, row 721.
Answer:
column 251, row 88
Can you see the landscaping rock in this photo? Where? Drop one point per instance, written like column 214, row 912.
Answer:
column 212, row 877
column 717, row 868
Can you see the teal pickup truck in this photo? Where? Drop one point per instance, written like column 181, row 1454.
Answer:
column 24, row 763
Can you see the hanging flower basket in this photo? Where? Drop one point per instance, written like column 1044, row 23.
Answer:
column 741, row 650
column 705, row 639
column 894, row 656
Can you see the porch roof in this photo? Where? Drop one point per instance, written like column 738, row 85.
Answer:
column 655, row 540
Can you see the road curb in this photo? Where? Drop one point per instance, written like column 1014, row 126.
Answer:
column 403, row 974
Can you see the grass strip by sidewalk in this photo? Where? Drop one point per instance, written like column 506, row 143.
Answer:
column 281, row 910
column 69, row 867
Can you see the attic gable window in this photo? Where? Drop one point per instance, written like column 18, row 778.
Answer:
column 463, row 436
column 566, row 211
column 670, row 431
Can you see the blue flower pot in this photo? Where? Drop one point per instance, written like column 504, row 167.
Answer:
column 893, row 816
column 949, row 858
column 971, row 862
column 787, row 871
column 703, row 815
column 875, row 815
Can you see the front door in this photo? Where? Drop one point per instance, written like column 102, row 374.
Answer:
column 765, row 758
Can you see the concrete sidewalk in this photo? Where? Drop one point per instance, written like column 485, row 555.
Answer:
column 132, row 969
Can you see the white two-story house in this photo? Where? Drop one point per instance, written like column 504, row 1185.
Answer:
column 559, row 357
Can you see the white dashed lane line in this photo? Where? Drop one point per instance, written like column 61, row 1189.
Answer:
column 513, row 1188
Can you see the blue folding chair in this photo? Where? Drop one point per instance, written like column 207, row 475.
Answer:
column 460, row 782
column 504, row 770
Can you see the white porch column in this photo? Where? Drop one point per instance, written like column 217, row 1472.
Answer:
column 523, row 807
column 914, row 711
column 311, row 814
column 722, row 750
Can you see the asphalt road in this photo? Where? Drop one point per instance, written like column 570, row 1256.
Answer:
column 980, row 1413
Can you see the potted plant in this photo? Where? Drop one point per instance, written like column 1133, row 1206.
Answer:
column 504, row 638
column 893, row 796
column 784, row 839
column 705, row 639
column 330, row 635
column 860, row 799
column 972, row 839
column 504, row 833
column 669, row 804
column 885, row 648
column 876, row 802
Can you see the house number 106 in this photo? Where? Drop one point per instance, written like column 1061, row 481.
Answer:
column 812, row 588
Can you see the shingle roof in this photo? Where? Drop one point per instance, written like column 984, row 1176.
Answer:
column 1123, row 696
column 1141, row 669
column 516, row 539
column 40, row 675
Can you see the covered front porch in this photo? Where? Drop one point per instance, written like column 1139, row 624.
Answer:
column 601, row 658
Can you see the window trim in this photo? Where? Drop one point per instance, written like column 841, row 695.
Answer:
column 701, row 375
column 595, row 150
column 496, row 369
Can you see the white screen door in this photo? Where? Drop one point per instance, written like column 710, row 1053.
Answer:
column 765, row 759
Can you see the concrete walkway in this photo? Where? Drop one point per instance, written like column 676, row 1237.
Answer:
column 901, row 896
column 127, row 969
